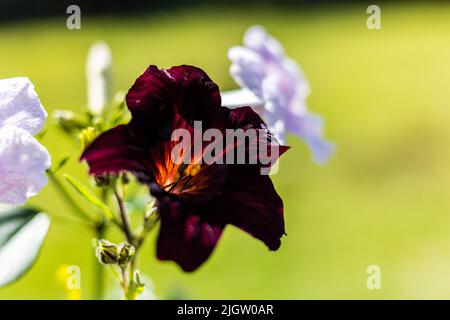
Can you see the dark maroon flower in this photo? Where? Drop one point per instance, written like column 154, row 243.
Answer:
column 195, row 200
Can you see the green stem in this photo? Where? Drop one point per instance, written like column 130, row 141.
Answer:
column 124, row 217
column 141, row 236
column 99, row 227
column 98, row 267
column 127, row 272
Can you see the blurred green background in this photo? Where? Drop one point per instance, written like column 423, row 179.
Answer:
column 383, row 199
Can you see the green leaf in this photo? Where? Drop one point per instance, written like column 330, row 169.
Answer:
column 60, row 164
column 89, row 195
column 22, row 232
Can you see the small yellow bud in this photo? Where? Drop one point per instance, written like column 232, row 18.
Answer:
column 87, row 136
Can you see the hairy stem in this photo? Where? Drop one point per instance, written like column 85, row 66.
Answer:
column 124, row 217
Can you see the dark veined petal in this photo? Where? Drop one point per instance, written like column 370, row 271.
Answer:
column 160, row 101
column 192, row 222
column 114, row 151
column 261, row 148
column 151, row 94
column 249, row 201
column 198, row 97
column 159, row 96
column 187, row 236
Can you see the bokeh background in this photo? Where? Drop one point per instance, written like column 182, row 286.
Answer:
column 383, row 198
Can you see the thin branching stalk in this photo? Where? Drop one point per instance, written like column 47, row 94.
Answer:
column 124, row 217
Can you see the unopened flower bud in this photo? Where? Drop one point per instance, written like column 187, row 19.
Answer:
column 102, row 180
column 68, row 120
column 107, row 252
column 139, row 286
column 126, row 254
column 125, row 178
column 99, row 77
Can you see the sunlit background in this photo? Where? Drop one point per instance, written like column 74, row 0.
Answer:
column 383, row 198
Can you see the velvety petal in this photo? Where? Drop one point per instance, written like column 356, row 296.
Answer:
column 158, row 95
column 114, row 151
column 150, row 96
column 192, row 222
column 241, row 118
column 250, row 202
column 185, row 235
column 23, row 164
column 197, row 96
column 20, row 106
column 246, row 118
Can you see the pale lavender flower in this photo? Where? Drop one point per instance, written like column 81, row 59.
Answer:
column 23, row 160
column 279, row 90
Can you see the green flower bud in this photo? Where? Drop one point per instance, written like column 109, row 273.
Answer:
column 126, row 254
column 69, row 121
column 137, row 285
column 107, row 252
column 102, row 180
column 125, row 178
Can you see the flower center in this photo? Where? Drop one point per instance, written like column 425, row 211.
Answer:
column 182, row 177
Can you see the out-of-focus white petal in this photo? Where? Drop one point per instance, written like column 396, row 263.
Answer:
column 20, row 106
column 240, row 98
column 247, row 69
column 23, row 162
column 257, row 38
column 99, row 77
